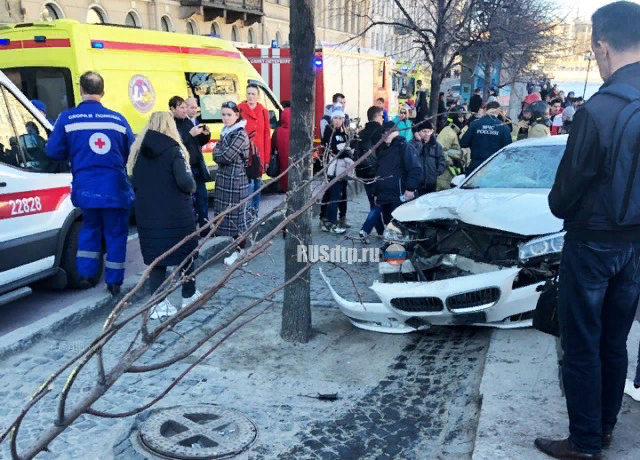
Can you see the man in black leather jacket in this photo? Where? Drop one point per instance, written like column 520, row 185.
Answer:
column 599, row 284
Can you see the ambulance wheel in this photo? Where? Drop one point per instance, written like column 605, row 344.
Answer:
column 68, row 261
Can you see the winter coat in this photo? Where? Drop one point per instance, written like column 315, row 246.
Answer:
column 369, row 136
column 404, row 127
column 194, row 147
column 431, row 159
column 281, row 138
column 258, row 122
column 164, row 208
column 335, row 143
column 485, row 137
column 232, row 186
column 521, row 130
column 453, row 153
column 398, row 171
column 538, row 130
column 476, row 103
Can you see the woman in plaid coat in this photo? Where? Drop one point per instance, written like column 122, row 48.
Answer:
column 231, row 155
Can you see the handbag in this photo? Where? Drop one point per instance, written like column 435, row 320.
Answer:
column 273, row 170
column 254, row 168
column 545, row 316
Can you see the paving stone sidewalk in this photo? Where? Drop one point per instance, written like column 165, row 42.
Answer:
column 522, row 400
column 401, row 396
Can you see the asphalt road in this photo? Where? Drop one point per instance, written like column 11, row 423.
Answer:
column 45, row 302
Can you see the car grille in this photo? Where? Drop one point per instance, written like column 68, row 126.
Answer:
column 418, row 304
column 473, row 299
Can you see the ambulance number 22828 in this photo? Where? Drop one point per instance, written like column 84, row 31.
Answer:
column 25, row 205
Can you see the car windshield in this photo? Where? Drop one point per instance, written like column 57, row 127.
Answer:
column 530, row 166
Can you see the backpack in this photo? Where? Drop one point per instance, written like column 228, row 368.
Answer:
column 368, row 168
column 624, row 166
column 254, row 168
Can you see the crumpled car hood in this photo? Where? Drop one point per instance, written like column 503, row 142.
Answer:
column 521, row 211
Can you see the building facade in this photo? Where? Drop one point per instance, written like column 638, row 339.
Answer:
column 243, row 21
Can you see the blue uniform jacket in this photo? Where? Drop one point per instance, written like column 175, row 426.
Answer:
column 96, row 141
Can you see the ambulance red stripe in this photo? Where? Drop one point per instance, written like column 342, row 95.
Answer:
column 150, row 48
column 20, row 204
column 50, row 43
column 28, row 44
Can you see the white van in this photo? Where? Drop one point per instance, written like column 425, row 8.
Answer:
column 38, row 224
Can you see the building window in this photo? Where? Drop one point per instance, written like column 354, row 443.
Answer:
column 96, row 15
column 132, row 19
column 165, row 24
column 50, row 12
column 279, row 38
column 251, row 37
column 192, row 27
column 215, row 30
column 234, row 34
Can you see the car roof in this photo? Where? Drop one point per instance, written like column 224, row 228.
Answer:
column 541, row 141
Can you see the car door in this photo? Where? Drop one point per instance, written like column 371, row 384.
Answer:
column 34, row 202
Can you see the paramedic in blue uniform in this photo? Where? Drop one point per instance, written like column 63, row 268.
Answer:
column 96, row 141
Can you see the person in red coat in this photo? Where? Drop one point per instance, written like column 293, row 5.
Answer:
column 281, row 144
column 257, row 118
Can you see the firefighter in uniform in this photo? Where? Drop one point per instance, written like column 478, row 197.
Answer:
column 96, row 141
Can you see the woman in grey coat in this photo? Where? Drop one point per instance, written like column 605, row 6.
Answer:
column 232, row 186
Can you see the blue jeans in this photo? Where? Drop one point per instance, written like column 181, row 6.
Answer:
column 374, row 219
column 201, row 202
column 255, row 184
column 598, row 295
column 335, row 195
column 637, row 379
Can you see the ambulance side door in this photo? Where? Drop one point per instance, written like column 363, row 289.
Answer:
column 33, row 202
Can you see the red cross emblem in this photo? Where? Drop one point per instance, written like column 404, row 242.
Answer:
column 100, row 143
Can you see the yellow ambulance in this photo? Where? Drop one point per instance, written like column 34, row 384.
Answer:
column 142, row 70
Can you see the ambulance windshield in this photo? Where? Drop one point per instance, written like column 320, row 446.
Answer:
column 211, row 90
column 50, row 85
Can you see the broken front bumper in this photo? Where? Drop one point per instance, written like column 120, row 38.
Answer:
column 483, row 299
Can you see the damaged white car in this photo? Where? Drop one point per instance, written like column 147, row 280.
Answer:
column 476, row 254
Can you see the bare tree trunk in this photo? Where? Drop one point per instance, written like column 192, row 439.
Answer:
column 296, row 311
column 436, row 81
column 487, row 80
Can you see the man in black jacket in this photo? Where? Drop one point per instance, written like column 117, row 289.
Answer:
column 476, row 101
column 486, row 136
column 429, row 154
column 193, row 138
column 367, row 170
column 599, row 286
column 399, row 173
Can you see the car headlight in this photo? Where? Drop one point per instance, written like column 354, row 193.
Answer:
column 394, row 234
column 550, row 244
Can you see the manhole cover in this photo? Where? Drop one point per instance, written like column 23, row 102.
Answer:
column 198, row 432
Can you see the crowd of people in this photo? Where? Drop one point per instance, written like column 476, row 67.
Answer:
column 163, row 175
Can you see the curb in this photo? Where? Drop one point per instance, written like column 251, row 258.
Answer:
column 85, row 310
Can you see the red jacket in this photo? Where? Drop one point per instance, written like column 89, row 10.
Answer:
column 281, row 144
column 258, row 122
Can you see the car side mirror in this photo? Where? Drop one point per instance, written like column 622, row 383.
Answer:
column 458, row 180
column 273, row 120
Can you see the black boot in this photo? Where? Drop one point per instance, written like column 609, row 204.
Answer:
column 85, row 283
column 114, row 289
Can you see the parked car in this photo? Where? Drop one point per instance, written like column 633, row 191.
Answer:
column 476, row 254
